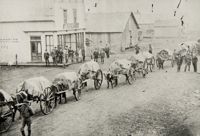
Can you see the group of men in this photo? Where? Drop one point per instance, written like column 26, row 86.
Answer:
column 63, row 56
column 190, row 58
column 101, row 54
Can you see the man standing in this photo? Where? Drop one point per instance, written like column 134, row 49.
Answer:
column 194, row 62
column 188, row 60
column 46, row 57
column 150, row 49
column 179, row 62
column 96, row 55
column 66, row 54
column 107, row 51
column 137, row 49
column 61, row 56
column 26, row 113
column 53, row 55
column 83, row 54
column 102, row 54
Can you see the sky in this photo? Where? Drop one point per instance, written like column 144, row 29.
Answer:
column 162, row 9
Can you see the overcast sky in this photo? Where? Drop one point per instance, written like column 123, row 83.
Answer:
column 190, row 9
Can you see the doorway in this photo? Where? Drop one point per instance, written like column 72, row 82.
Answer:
column 36, row 49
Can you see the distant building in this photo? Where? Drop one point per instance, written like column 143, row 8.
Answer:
column 28, row 28
column 119, row 30
column 146, row 24
column 169, row 28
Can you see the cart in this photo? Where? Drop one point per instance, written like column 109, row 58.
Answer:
column 38, row 90
column 139, row 65
column 165, row 55
column 90, row 71
column 6, row 111
column 122, row 67
column 67, row 81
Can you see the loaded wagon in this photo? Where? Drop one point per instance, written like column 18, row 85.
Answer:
column 121, row 67
column 67, row 81
column 90, row 71
column 139, row 64
column 6, row 111
column 37, row 90
column 164, row 55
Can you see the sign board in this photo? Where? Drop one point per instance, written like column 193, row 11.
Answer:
column 71, row 26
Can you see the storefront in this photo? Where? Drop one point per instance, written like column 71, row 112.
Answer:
column 47, row 25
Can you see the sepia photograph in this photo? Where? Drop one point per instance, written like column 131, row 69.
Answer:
column 99, row 68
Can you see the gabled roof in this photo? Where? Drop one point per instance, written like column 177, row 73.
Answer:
column 143, row 19
column 108, row 22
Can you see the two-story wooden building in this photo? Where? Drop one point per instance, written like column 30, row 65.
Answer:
column 28, row 28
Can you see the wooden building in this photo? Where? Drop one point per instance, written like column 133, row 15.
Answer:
column 119, row 30
column 28, row 28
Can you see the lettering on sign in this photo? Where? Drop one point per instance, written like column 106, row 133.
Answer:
column 5, row 42
column 70, row 26
column 10, row 40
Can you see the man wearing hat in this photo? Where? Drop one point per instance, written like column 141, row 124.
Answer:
column 26, row 113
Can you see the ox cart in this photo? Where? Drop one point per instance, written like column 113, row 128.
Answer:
column 90, row 71
column 121, row 67
column 37, row 90
column 67, row 81
column 164, row 55
column 139, row 64
column 6, row 111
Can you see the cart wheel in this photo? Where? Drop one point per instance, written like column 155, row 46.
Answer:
column 5, row 118
column 98, row 80
column 77, row 94
column 47, row 101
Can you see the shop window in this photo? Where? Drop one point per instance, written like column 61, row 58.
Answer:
column 49, row 42
column 60, row 41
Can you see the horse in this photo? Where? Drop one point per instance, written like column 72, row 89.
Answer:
column 160, row 63
column 111, row 79
column 59, row 91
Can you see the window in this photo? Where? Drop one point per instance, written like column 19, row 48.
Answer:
column 65, row 16
column 49, row 42
column 75, row 15
column 60, row 41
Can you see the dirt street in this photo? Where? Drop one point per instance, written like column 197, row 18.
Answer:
column 165, row 103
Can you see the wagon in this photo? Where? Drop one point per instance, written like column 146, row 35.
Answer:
column 165, row 55
column 139, row 65
column 122, row 67
column 6, row 111
column 67, row 81
column 37, row 90
column 90, row 71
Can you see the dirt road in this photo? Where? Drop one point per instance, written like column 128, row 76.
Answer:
column 164, row 103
